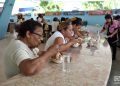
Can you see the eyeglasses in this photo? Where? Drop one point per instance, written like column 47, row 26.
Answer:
column 41, row 36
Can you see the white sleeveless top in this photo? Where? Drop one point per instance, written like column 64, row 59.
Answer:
column 51, row 40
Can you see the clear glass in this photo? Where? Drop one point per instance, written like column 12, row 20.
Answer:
column 66, row 62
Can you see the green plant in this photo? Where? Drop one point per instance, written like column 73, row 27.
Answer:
column 51, row 6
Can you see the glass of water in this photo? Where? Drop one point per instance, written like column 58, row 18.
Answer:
column 66, row 61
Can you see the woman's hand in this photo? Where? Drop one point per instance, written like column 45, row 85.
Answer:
column 74, row 41
column 81, row 40
column 54, row 49
column 110, row 36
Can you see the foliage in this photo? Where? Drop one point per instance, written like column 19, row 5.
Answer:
column 51, row 6
column 101, row 5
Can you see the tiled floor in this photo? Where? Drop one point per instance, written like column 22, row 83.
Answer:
column 114, row 72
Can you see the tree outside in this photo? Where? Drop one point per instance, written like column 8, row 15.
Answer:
column 53, row 6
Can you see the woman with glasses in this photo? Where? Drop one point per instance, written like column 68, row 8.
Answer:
column 20, row 56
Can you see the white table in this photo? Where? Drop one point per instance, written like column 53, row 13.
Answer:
column 84, row 70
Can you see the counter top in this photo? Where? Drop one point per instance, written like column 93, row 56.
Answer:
column 86, row 69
